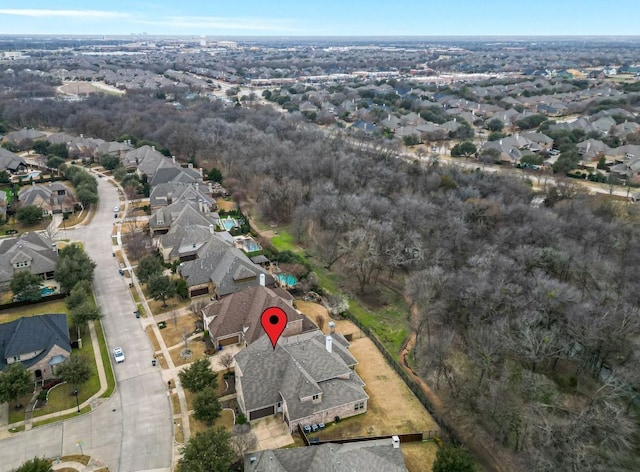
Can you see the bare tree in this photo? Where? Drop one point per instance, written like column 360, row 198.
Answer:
column 243, row 440
column 226, row 360
column 336, row 304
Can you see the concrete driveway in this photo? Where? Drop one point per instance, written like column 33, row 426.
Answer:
column 271, row 433
column 133, row 430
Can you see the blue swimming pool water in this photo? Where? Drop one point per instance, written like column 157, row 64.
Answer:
column 287, row 279
column 44, row 291
column 229, row 223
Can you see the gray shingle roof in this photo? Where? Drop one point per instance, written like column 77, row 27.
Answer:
column 47, row 196
column 147, row 159
column 29, row 246
column 300, row 366
column 32, row 334
column 227, row 267
column 162, row 193
column 10, row 161
column 365, row 456
column 175, row 174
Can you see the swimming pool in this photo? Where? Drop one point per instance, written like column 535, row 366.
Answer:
column 44, row 291
column 228, row 223
column 288, row 280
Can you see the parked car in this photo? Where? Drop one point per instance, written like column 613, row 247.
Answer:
column 116, row 209
column 118, row 355
column 137, row 313
column 306, row 428
column 321, row 425
column 314, row 428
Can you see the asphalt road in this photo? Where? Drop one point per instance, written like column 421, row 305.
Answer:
column 133, row 430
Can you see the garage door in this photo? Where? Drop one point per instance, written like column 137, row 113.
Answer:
column 199, row 291
column 261, row 413
column 228, row 341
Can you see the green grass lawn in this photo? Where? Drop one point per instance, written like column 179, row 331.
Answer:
column 61, row 396
column 56, row 306
column 106, row 361
column 389, row 323
column 284, row 241
column 16, row 415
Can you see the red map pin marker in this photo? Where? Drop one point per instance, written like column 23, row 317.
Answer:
column 274, row 321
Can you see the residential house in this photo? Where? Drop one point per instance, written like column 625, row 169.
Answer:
column 183, row 212
column 235, row 319
column 166, row 193
column 220, row 269
column 41, row 343
column 362, row 125
column 176, row 174
column 624, row 129
column 24, row 138
column 11, row 162
column 31, row 251
column 603, row 125
column 146, row 160
column 77, row 146
column 592, row 149
column 374, row 455
column 308, row 378
column 52, row 198
column 112, row 148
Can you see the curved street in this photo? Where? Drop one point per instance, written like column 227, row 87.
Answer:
column 132, row 430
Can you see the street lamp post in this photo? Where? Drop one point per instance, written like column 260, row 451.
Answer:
column 75, row 392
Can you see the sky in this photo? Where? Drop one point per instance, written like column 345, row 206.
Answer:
column 322, row 17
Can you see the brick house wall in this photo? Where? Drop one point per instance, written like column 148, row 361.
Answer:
column 328, row 416
column 43, row 364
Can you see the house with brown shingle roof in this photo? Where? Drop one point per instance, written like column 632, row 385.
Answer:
column 235, row 319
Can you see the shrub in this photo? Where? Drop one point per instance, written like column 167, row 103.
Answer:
column 241, row 419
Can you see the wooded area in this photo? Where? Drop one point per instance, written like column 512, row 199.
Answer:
column 526, row 315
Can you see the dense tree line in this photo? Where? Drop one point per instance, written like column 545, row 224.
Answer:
column 526, row 315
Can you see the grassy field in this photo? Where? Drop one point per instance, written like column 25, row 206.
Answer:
column 56, row 306
column 172, row 334
column 197, row 348
column 106, row 361
column 419, row 456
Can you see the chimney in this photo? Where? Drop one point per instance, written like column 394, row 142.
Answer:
column 395, row 440
column 329, row 343
column 153, row 147
column 173, row 158
column 211, row 230
column 210, row 187
column 262, row 280
column 190, row 165
column 332, row 327
column 200, row 170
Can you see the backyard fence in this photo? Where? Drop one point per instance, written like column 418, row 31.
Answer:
column 404, row 438
column 406, row 377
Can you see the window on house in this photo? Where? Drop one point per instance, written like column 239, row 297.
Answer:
column 359, row 406
column 315, row 397
column 16, row 358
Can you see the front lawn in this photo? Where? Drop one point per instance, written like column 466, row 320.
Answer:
column 61, row 396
